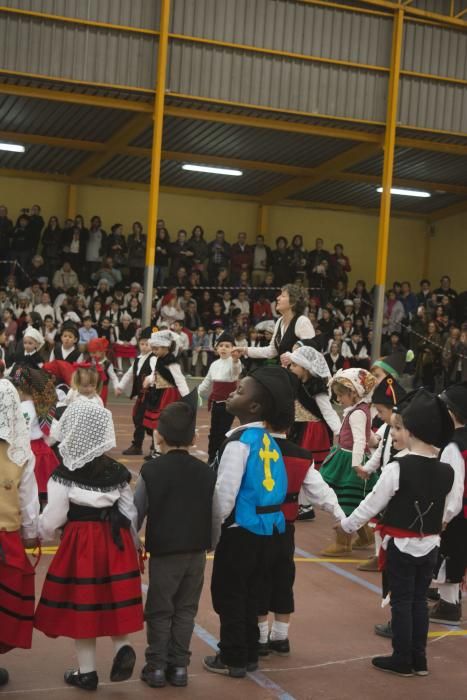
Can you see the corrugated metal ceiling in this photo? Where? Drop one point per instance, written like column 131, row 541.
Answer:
column 43, row 159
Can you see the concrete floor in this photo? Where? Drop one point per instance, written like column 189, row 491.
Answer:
column 331, row 635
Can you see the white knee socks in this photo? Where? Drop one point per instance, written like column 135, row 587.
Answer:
column 263, row 631
column 279, row 630
column 86, row 653
column 449, row 592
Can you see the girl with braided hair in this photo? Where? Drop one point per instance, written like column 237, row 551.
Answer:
column 38, row 403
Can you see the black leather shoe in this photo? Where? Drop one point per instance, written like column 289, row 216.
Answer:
column 177, row 676
column 306, row 513
column 85, row 681
column 215, row 665
column 279, row 646
column 388, row 664
column 132, row 450
column 123, row 664
column 263, row 648
column 251, row 666
column 4, row 676
column 384, row 630
column 420, row 666
column 154, row 678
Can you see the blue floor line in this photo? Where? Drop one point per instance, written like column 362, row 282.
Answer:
column 342, row 572
column 259, row 678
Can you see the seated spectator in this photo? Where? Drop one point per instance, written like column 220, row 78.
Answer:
column 454, row 357
column 124, row 339
column 445, row 289
column 192, row 318
column 361, row 292
column 185, row 299
column 347, row 328
column 11, row 327
column 354, row 349
column 44, row 308
column 34, row 292
column 97, row 313
column 241, row 257
column 87, row 332
column 194, row 279
column 50, row 332
column 52, row 246
column 180, row 279
column 217, row 317
column 109, row 272
column 227, row 302
column 135, row 310
column 170, row 310
column 200, row 250
column 269, row 287
column 261, row 261
column 326, row 323
column 393, row 345
column 262, row 309
column 222, row 278
column 184, row 343
column 65, row 278
column 37, row 268
column 334, row 358
column 241, row 302
column 103, row 292
column 428, row 367
column 200, row 347
column 281, row 262
column 117, row 247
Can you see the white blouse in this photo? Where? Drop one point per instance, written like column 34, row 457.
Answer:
column 303, row 330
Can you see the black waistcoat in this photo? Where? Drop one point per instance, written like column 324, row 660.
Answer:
column 139, row 378
column 285, row 343
column 72, row 357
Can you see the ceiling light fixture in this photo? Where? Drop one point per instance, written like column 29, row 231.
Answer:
column 14, row 147
column 211, row 170
column 407, row 193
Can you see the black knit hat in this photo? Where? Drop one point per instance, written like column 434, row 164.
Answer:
column 146, row 333
column 388, row 392
column 71, row 328
column 225, row 338
column 281, row 386
column 393, row 364
column 177, row 422
column 428, row 419
column 455, row 398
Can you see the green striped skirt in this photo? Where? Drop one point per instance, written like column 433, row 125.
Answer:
column 338, row 473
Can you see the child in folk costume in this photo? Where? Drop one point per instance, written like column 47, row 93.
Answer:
column 93, row 585
column 19, row 512
column 38, row 403
column 176, row 495
column 387, row 394
column 353, row 389
column 251, row 486
column 304, row 483
column 33, row 342
column 417, row 495
column 132, row 383
column 220, row 381
column 166, row 384
column 452, row 562
column 67, row 349
column 98, row 350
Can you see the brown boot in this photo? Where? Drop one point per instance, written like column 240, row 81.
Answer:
column 370, row 564
column 342, row 545
column 365, row 539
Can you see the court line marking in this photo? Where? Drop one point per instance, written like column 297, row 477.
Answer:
column 341, row 572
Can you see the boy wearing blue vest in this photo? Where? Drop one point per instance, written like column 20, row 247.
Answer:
column 251, row 486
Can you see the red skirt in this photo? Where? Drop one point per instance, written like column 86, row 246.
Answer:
column 151, row 416
column 92, row 588
column 16, row 594
column 128, row 351
column 315, row 438
column 46, row 463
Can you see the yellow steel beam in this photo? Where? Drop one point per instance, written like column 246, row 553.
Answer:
column 403, row 182
column 458, row 208
column 240, row 163
column 262, row 220
column 461, row 13
column 323, row 172
column 414, row 12
column 134, row 127
column 72, row 200
column 331, row 206
column 427, row 252
column 54, row 141
column 452, row 9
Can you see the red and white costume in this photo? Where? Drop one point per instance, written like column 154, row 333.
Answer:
column 46, row 461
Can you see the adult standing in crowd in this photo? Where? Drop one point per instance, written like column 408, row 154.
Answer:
column 162, row 256
column 280, row 261
column 292, row 326
column 95, row 246
column 6, row 229
column 137, row 252
column 52, row 246
column 200, row 250
column 219, row 254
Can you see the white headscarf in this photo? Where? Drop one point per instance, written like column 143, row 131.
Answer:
column 85, row 431
column 161, row 339
column 13, row 428
column 360, row 380
column 311, row 360
column 36, row 335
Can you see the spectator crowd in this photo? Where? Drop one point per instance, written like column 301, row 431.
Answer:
column 52, row 273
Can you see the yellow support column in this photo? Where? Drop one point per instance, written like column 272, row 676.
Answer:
column 158, row 117
column 72, row 197
column 385, row 207
column 263, row 218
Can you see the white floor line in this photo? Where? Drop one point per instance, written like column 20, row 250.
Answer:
column 322, row 665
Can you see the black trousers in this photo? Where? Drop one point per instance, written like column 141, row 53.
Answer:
column 221, row 422
column 140, row 430
column 278, row 575
column 409, row 579
column 236, row 577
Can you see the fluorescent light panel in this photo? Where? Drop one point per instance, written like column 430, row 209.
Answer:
column 211, row 170
column 407, row 193
column 14, row 147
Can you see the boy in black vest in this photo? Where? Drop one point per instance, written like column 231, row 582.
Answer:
column 452, row 562
column 67, row 349
column 132, row 381
column 175, row 492
column 416, row 495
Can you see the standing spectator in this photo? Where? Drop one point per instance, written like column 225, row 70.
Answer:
column 162, row 257
column 428, row 365
column 6, row 231
column 409, row 300
column 95, row 246
column 35, row 226
column 22, row 244
column 241, row 257
column 52, row 245
column 65, row 278
column 74, row 246
column 200, row 250
column 219, row 254
column 455, row 357
column 298, row 259
column 340, row 264
column 261, row 261
column 317, row 255
column 45, row 308
column 445, row 290
column 393, row 313
column 424, row 295
column 181, row 252
column 280, row 261
column 116, row 246
column 137, row 252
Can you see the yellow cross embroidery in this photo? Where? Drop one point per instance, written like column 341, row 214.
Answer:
column 266, row 457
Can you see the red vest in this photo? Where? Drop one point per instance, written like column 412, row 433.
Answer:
column 297, row 463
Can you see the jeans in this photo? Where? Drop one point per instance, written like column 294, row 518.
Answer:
column 409, row 579
column 175, row 585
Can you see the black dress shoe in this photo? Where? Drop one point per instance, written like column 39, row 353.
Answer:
column 432, row 594
column 263, row 648
column 279, row 646
column 123, row 664
column 420, row 666
column 384, row 630
column 306, row 513
column 177, row 676
column 85, row 681
column 4, row 676
column 215, row 665
column 388, row 664
column 252, row 666
column 132, row 450
column 154, row 678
